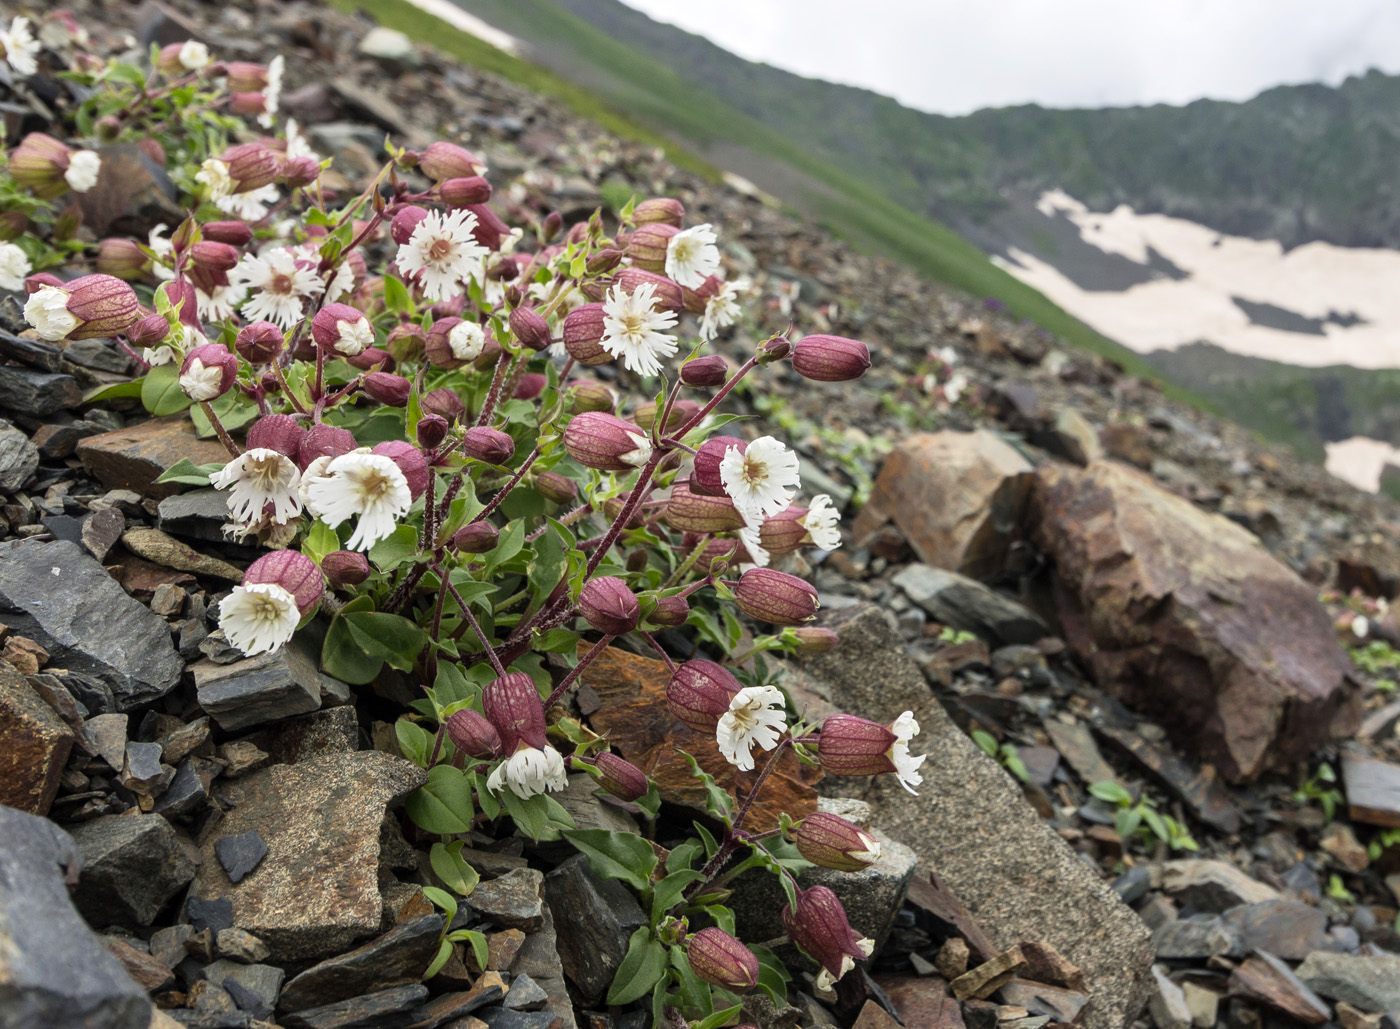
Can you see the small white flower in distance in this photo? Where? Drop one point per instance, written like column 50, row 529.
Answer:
column 368, row 485
column 201, row 382
column 213, row 173
column 355, row 337
column 297, row 146
column 83, row 168
column 220, row 304
column 954, row 387
column 260, row 477
column 755, row 715
column 530, row 771
column 632, row 329
column 441, row 252
column 272, row 92
column 14, row 266
column 762, row 479
column 823, row 523
column 722, row 310
column 259, row 617
column 277, row 287
column 692, row 256
column 251, row 206
column 905, row 728
column 21, row 48
column 47, row 310
column 466, row 340
column 157, row 356
column 194, row 55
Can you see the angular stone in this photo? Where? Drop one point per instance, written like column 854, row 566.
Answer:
column 1168, row 1003
column 957, row 497
column 526, row 995
column 1198, row 788
column 1339, row 840
column 1039, row 999
column 387, row 1009
column 1198, row 938
column 1373, row 790
column 241, row 946
column 1213, row 885
column 922, row 1001
column 215, row 915
column 101, row 530
column 264, row 688
column 149, row 972
column 240, row 854
column 502, row 947
column 134, row 457
column 143, row 773
column 514, row 900
column 1045, row 964
column 1266, row 979
column 1203, row 1004
column 964, row 603
column 168, row 552
column 262, row 981
column 34, row 744
column 872, row 1016
column 55, row 971
column 19, row 458
column 1184, row 616
column 132, row 195
column 63, row 599
column 132, row 866
column 595, row 919
column 539, row 959
column 198, row 514
column 984, row 980
column 1076, row 745
column 972, row 824
column 317, row 891
column 32, row 392
column 1370, row 983
column 397, row 958
column 453, row 1009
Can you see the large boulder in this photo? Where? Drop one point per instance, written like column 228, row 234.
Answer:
column 1186, row 617
column 971, row 823
column 958, row 497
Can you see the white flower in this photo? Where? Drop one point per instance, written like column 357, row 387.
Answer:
column 193, row 55
column 272, row 93
column 156, row 356
column 297, row 146
column 201, row 382
column 259, row 617
column 905, row 728
column 260, row 477
column 530, row 771
column 278, row 288
column 762, row 479
column 83, row 167
column 750, row 536
column 161, row 246
column 21, row 48
column 218, row 305
column 442, row 252
column 342, row 282
column 314, row 471
column 755, row 715
column 47, row 310
column 692, row 257
column 466, row 340
column 214, row 174
column 953, row 388
column 368, row 485
column 353, row 337
column 722, row 310
column 822, row 522
column 825, row 980
column 640, row 456
column 14, row 266
column 250, row 206
column 632, row 329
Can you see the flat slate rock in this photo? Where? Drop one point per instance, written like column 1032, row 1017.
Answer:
column 60, row 597
column 398, row 958
column 134, row 457
column 265, row 688
column 1371, row 983
column 387, row 1009
column 1373, row 790
column 240, row 854
column 132, row 866
column 512, row 901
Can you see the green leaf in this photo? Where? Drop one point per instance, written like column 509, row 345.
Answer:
column 616, row 855
column 443, row 955
column 530, row 816
column 233, row 410
column 683, row 855
column 717, row 801
column 722, row 916
column 394, row 549
column 640, row 970
column 341, row 656
column 115, row 390
column 772, row 976
column 986, row 741
column 1127, row 821
column 694, row 993
column 719, row 1018
column 1155, row 823
column 391, row 637
column 444, row 900
column 668, row 891
column 161, row 394
column 415, row 741
column 547, row 569
column 510, row 542
column 320, row 540
column 453, row 869
column 451, row 687
column 187, row 473
column 1111, row 792
column 480, row 948
column 396, row 298
column 558, row 641
column 443, row 807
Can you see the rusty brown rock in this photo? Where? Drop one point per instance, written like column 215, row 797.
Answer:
column 1373, row 790
column 134, row 457
column 132, row 195
column 922, row 1001
column 34, row 744
column 957, row 496
column 984, row 980
column 1185, row 617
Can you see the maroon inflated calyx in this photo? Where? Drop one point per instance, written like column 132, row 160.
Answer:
column 604, row 261
column 473, row 734
column 830, row 841
column 648, row 245
column 830, row 358
column 512, row 704
column 489, row 445
column 279, row 432
column 465, row 191
column 558, row 488
column 668, row 293
column 235, row 234
column 849, row 745
column 583, row 332
column 148, row 331
column 345, row 567
column 592, row 396
column 670, row 611
column 606, row 442
column 324, row 441
column 259, row 342
column 705, row 371
column 699, row 694
column 688, row 511
column 432, row 430
column 662, row 210
column 705, row 478
column 392, row 390
column 406, row 219
column 620, row 777
column 776, row 597
column 818, row 924
column 209, row 371
column 530, row 386
column 441, row 161
column 121, row 258
column 720, row 959
column 444, row 401
column 774, row 349
column 475, row 538
column 530, row 328
column 609, row 606
column 490, row 230
column 294, row 572
column 410, row 461
column 815, row 639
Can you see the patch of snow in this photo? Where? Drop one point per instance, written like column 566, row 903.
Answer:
column 1360, row 461
column 469, row 23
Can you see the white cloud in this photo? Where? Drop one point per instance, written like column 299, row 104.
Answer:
column 952, row 56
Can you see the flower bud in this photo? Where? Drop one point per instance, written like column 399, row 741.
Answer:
column 592, row 396
column 342, row 328
column 473, row 735
column 324, row 441
column 245, row 76
column 668, row 293
column 829, row 841
column 249, row 105
column 406, row 219
column 830, row 358
column 816, row 639
column 235, row 234
column 251, row 166
column 178, row 58
column 489, row 230
column 688, row 511
column 606, row 442
column 583, row 331
column 774, row 349
column 121, row 258
column 345, row 567
column 558, row 488
column 211, row 256
column 410, row 461
column 260, row 342
column 776, row 597
column 722, row 960
column 730, row 552
column 603, row 261
column 148, row 331
column 432, row 430
column 681, row 412
column 444, row 402
column 784, row 532
column 279, row 432
column 209, row 371
column 181, row 295
column 39, row 163
column 512, row 704
column 529, row 328
column 620, row 777
column 705, row 372
column 299, row 171
column 475, row 538
column 817, row 923
column 86, row 308
column 705, row 477
column 465, row 191
column 442, row 161
column 452, row 342
column 505, row 270
column 371, row 358
column 392, row 390
column 294, row 572
column 609, row 606
column 670, row 611
column 659, row 210
column 855, row 746
column 648, row 244
column 13, row 224
column 489, row 445
column 553, row 225
column 699, row 694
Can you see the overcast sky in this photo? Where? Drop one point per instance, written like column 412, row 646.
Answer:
column 955, row 56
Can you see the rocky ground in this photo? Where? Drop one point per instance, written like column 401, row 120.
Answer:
column 1074, row 581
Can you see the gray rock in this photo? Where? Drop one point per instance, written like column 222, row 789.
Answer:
column 259, row 689
column 19, row 458
column 198, row 514
column 397, row 958
column 512, row 901
column 595, row 919
column 1213, row 885
column 972, row 824
column 65, row 601
column 263, row 981
column 214, row 914
column 526, row 995
column 132, row 866
column 1370, row 983
column 108, row 735
column 189, row 790
column 143, row 773
column 240, row 854
column 538, row 958
column 1168, row 1003
column 1133, row 884
column 168, row 945
column 1284, row 928
column 966, row 604
column 55, row 971
column 241, row 946
column 387, row 1009
column 1197, row 938
column 29, row 391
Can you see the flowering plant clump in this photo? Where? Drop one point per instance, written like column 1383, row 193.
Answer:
column 401, row 381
